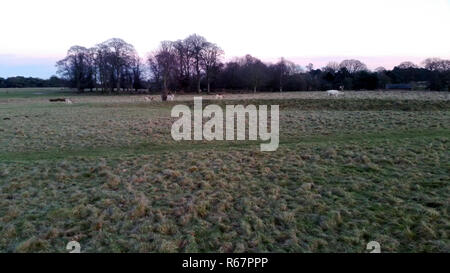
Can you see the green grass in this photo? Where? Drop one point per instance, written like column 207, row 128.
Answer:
column 151, row 148
column 9, row 93
column 105, row 172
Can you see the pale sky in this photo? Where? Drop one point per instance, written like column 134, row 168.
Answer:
column 34, row 34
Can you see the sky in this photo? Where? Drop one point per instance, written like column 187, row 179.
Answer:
column 35, row 34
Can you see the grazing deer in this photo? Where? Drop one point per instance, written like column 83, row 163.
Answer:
column 334, row 93
column 57, row 99
column 148, row 98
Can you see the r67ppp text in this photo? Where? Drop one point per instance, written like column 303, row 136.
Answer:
column 247, row 262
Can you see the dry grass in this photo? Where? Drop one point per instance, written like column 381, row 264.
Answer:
column 107, row 174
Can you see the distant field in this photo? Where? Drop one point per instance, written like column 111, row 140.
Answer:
column 105, row 171
column 44, row 93
column 7, row 93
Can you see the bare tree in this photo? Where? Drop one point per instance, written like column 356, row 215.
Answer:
column 380, row 69
column 196, row 45
column 255, row 71
column 332, row 67
column 210, row 61
column 75, row 67
column 283, row 69
column 436, row 64
column 137, row 71
column 163, row 65
column 92, row 70
column 406, row 65
column 118, row 55
column 104, row 70
column 184, row 63
column 155, row 73
column 353, row 66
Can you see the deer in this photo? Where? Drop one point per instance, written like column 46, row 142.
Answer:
column 334, row 93
column 148, row 98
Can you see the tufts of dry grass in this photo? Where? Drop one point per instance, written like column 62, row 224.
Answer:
column 341, row 178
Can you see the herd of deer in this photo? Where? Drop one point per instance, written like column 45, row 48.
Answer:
column 171, row 97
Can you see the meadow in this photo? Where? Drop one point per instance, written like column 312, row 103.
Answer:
column 104, row 171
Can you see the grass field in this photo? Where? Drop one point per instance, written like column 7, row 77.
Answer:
column 105, row 171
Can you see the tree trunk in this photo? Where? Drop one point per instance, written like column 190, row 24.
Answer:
column 164, row 92
column 281, row 83
column 198, row 76
column 118, row 82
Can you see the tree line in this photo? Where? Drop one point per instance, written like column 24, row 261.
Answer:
column 194, row 64
column 20, row 82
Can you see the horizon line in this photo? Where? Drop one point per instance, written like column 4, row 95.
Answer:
column 43, row 66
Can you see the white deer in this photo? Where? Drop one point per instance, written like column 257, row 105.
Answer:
column 334, row 93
